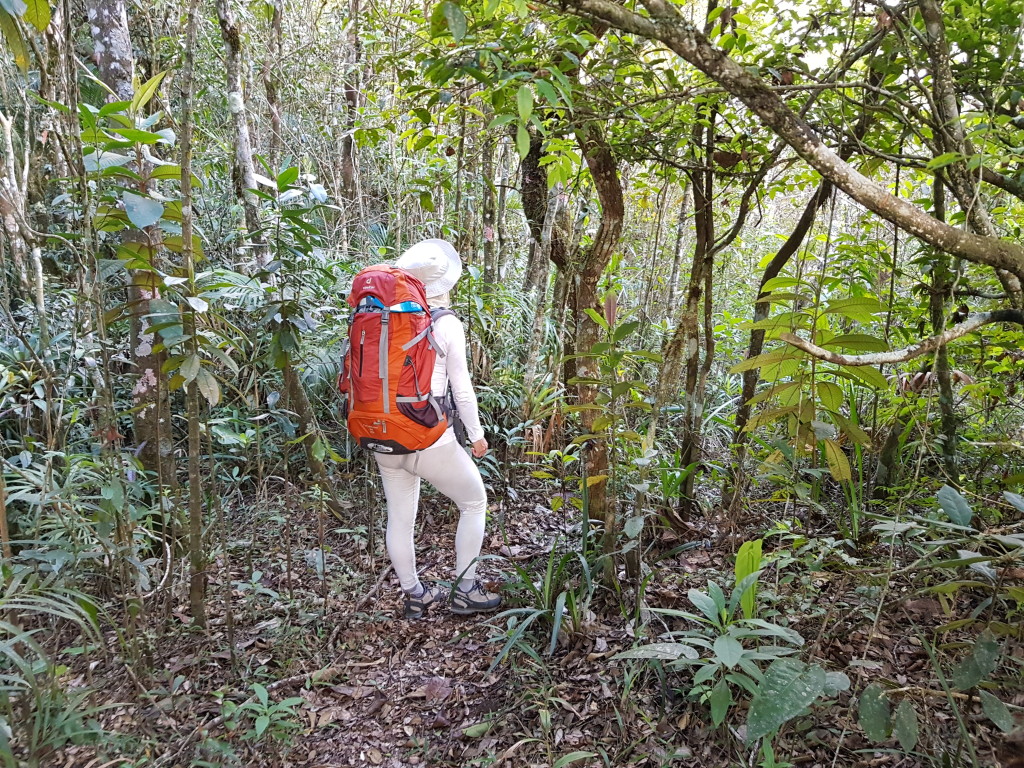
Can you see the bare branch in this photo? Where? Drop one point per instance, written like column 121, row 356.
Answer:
column 971, row 324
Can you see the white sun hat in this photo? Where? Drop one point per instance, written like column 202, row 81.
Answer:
column 435, row 262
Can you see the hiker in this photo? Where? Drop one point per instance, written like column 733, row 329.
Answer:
column 445, row 464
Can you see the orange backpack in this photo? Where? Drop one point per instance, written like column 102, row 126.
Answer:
column 388, row 364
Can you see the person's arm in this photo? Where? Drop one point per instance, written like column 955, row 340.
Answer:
column 458, row 378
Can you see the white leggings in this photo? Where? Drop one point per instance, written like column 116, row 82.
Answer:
column 450, row 470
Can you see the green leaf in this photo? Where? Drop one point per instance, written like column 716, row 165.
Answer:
column 748, row 561
column 522, row 141
column 190, row 368
column 547, row 90
column 37, row 13
column 623, row 330
column 198, row 304
column 759, row 361
column 873, row 713
column 142, row 211
column 597, row 317
column 134, row 134
column 633, row 526
column 524, row 102
column 996, row 711
column 838, row 464
column 456, row 20
column 13, row 7
column 319, row 450
column 904, row 725
column 979, row 665
column 955, row 506
column 788, row 688
column 12, row 34
column 147, row 91
column 286, row 178
column 208, row 386
column 720, row 701
column 941, row 161
column 476, row 731
column 1015, row 499
column 261, row 693
column 262, row 723
column 870, row 376
column 572, row 757
column 100, row 161
column 705, row 605
column 859, row 308
column 728, row 650
column 857, row 342
column 666, row 651
column 830, row 395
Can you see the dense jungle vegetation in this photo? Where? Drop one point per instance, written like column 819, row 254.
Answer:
column 744, row 307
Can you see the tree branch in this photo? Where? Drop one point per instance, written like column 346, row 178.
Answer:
column 971, row 324
column 668, row 26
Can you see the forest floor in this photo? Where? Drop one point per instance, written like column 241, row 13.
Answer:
column 371, row 688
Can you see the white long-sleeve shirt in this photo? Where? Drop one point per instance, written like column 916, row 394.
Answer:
column 452, row 368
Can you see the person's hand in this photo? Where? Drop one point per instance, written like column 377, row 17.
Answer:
column 480, row 448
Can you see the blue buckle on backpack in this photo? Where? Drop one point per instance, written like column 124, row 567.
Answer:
column 406, row 306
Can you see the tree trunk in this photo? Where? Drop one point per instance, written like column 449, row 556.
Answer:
column 604, row 170
column 108, row 23
column 197, row 554
column 487, row 214
column 270, row 84
column 673, row 281
column 243, row 170
column 941, row 284
column 534, row 193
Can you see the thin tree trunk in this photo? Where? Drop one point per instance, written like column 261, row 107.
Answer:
column 351, row 87
column 488, row 202
column 270, row 83
column 604, row 170
column 673, row 281
column 538, row 296
column 243, row 170
column 108, row 22
column 533, row 191
column 940, row 289
column 197, row 555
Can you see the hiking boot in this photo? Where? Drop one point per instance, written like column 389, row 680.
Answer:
column 416, row 606
column 476, row 600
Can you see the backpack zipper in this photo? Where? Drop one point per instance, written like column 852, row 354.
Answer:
column 362, row 338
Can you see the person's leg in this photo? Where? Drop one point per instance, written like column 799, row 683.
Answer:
column 449, row 469
column 402, row 492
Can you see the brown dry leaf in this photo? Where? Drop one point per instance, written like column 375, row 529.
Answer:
column 374, row 756
column 437, row 689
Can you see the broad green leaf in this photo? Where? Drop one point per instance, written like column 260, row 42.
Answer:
column 996, row 711
column 666, row 651
column 455, row 19
column 190, row 368
column 597, row 317
column 37, row 13
column 286, row 178
column 748, row 561
column 141, row 137
column 869, row 376
column 261, row 724
column 198, row 304
column 623, row 330
column 1015, row 499
column 522, row 141
column 830, row 395
column 904, row 725
column 838, row 464
column 956, row 507
column 851, row 430
column 100, row 161
column 142, row 211
column 941, row 161
column 759, row 361
column 873, row 713
column 633, row 526
column 857, row 342
column 705, row 605
column 572, row 757
column 859, row 308
column 524, row 102
column 146, row 92
column 547, row 90
column 208, row 386
column 15, row 42
column 981, row 662
column 728, row 650
column 781, row 281
column 789, row 686
column 836, row 682
column 720, row 700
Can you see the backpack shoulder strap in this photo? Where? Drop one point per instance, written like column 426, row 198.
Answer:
column 438, row 312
